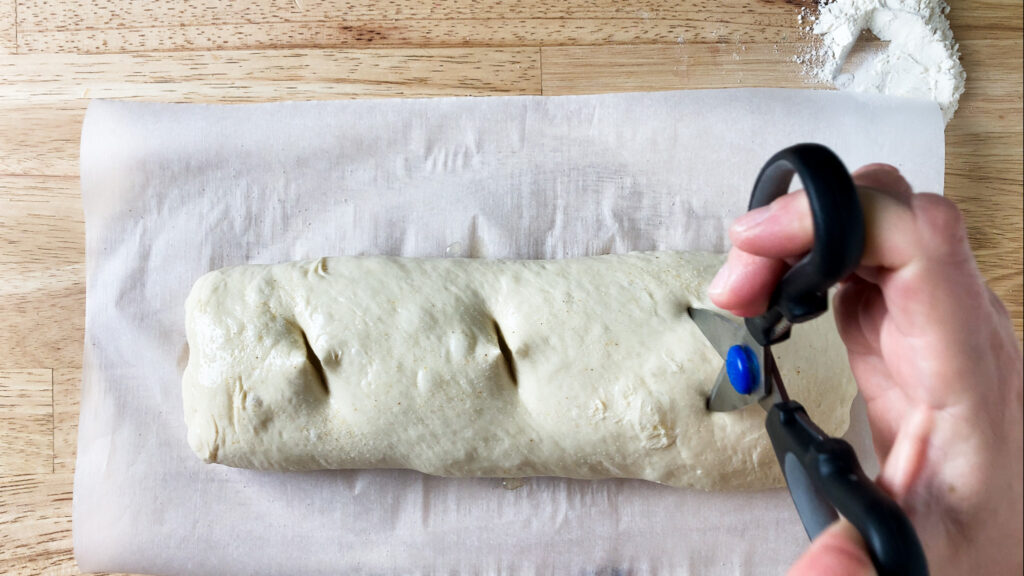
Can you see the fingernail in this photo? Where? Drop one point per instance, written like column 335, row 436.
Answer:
column 752, row 219
column 721, row 280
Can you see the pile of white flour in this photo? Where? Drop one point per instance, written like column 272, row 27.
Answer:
column 922, row 59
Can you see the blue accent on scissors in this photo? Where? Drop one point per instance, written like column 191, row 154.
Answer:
column 742, row 368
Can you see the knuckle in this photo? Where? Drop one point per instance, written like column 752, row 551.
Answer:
column 941, row 222
column 878, row 167
column 883, row 177
column 939, row 212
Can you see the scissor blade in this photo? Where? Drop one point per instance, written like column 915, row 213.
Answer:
column 723, row 334
column 719, row 330
column 725, row 398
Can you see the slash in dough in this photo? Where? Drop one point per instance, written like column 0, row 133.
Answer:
column 583, row 368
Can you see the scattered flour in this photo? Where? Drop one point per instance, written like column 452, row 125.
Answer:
column 922, row 59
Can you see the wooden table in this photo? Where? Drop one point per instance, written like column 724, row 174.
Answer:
column 56, row 54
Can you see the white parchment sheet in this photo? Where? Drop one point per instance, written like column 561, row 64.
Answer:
column 172, row 191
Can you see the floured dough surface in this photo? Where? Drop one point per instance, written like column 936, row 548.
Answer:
column 583, row 368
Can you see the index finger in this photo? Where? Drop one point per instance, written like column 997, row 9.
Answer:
column 784, row 229
column 765, row 238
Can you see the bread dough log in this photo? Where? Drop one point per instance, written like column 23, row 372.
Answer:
column 583, row 368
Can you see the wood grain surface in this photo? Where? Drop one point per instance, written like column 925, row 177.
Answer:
column 55, row 55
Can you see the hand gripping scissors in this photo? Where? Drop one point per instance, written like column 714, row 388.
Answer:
column 823, row 474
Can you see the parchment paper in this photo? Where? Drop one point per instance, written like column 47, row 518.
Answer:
column 172, row 191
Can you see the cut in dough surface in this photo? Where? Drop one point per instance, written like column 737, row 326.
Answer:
column 583, row 368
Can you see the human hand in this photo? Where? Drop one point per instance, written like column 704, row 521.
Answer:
column 936, row 360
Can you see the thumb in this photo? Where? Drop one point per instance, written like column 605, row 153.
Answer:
column 838, row 551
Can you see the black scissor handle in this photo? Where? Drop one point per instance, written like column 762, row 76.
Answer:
column 802, row 294
column 825, row 477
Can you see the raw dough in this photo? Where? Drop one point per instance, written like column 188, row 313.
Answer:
column 584, row 368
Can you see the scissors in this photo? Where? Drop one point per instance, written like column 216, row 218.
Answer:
column 823, row 474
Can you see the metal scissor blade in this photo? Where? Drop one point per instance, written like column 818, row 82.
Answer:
column 723, row 334
column 725, row 398
column 719, row 330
